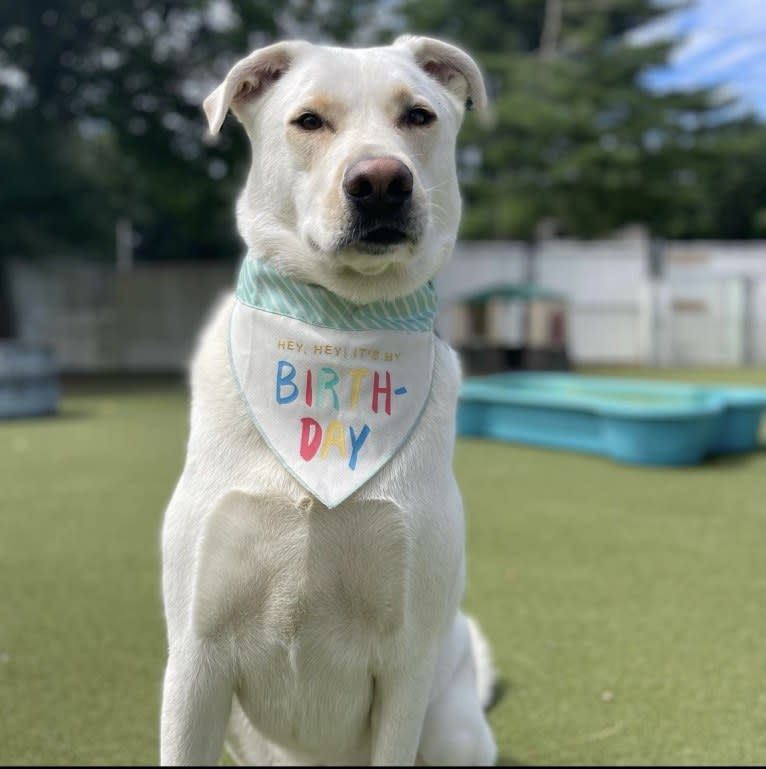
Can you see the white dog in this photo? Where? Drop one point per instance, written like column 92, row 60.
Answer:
column 313, row 550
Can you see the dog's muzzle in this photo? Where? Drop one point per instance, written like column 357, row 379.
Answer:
column 378, row 192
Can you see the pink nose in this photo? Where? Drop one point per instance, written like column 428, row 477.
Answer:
column 382, row 185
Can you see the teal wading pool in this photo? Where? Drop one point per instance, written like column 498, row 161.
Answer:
column 635, row 421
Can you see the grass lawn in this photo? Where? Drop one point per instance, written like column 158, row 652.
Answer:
column 625, row 605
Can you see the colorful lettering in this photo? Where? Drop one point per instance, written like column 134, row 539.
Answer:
column 310, row 441
column 286, row 381
column 328, row 378
column 309, row 389
column 377, row 391
column 357, row 441
column 335, row 435
column 357, row 374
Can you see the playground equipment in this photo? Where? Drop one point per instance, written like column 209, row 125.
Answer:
column 28, row 381
column 635, row 421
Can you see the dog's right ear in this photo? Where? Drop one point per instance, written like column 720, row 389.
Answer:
column 247, row 80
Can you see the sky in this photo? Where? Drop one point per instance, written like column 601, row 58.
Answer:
column 724, row 45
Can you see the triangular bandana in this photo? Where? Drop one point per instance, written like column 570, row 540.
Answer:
column 335, row 388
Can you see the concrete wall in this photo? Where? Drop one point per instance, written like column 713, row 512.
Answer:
column 704, row 303
column 605, row 282
column 706, row 306
column 716, row 311
column 98, row 320
column 477, row 265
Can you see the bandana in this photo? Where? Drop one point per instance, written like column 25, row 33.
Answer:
column 335, row 388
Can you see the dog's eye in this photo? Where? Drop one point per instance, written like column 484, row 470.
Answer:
column 308, row 121
column 418, row 116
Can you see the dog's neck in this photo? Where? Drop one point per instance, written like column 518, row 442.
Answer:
column 263, row 286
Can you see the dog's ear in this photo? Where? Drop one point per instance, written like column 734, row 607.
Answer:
column 247, row 80
column 453, row 68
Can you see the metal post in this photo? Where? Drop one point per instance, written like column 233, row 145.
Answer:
column 123, row 235
column 747, row 320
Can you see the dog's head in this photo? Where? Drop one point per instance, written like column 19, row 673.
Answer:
column 353, row 184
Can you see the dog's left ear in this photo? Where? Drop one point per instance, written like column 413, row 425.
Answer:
column 450, row 66
column 248, row 80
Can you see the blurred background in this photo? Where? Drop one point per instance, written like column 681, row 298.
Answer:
column 614, row 222
column 625, row 171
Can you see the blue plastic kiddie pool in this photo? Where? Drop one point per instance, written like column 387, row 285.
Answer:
column 636, row 421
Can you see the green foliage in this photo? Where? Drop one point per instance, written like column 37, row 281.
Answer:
column 100, row 119
column 107, row 122
column 100, row 129
column 579, row 141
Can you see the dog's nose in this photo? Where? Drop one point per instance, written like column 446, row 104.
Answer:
column 378, row 185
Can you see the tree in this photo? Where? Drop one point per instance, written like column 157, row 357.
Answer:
column 578, row 139
column 100, row 119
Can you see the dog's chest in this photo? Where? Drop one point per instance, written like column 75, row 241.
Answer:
column 313, row 600
column 280, row 574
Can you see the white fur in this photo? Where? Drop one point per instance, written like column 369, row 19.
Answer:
column 309, row 635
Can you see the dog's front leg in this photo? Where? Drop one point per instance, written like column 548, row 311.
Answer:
column 399, row 708
column 196, row 703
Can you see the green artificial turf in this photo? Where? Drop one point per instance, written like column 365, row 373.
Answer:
column 625, row 605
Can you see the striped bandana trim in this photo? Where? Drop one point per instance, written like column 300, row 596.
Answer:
column 262, row 286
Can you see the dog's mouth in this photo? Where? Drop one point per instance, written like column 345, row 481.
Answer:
column 388, row 239
column 372, row 247
column 374, row 250
column 384, row 236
